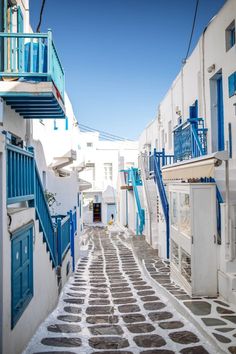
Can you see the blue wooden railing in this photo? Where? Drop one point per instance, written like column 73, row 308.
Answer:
column 24, row 184
column 66, row 228
column 190, row 139
column 159, row 160
column 20, row 174
column 32, row 56
column 135, row 180
column 44, row 217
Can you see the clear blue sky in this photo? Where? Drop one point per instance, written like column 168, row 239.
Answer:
column 120, row 56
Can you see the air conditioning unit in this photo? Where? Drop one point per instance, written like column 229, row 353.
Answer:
column 12, row 3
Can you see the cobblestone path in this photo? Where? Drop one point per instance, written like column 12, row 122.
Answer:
column 109, row 307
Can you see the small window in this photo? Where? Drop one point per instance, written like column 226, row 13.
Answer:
column 89, row 144
column 44, row 179
column 232, row 84
column 162, row 138
column 230, row 36
column 108, row 171
column 170, row 134
column 22, row 271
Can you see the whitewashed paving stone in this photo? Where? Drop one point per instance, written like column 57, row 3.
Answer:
column 112, row 308
column 108, row 342
column 63, row 328
column 149, row 341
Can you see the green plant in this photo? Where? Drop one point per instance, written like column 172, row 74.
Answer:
column 50, row 197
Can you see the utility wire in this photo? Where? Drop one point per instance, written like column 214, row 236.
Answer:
column 103, row 134
column 100, row 131
column 103, row 137
column 191, row 35
column 40, row 16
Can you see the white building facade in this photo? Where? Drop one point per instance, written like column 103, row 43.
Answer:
column 193, row 137
column 40, row 212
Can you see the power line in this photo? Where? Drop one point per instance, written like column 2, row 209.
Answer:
column 40, row 16
column 191, row 35
column 103, row 134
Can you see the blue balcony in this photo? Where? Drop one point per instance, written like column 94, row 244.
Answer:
column 32, row 75
column 190, row 139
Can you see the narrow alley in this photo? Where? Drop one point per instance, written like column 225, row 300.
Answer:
column 110, row 303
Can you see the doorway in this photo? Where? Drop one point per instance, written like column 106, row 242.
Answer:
column 97, row 212
column 217, row 112
column 111, row 209
column 220, row 114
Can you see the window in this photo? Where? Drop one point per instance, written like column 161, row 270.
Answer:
column 232, row 84
column 108, row 171
column 230, row 36
column 22, row 271
column 89, row 144
column 44, row 179
column 170, row 134
column 162, row 138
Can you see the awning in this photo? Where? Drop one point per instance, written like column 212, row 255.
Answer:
column 200, row 167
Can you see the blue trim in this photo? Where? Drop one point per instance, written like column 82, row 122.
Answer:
column 220, row 114
column 66, row 123
column 230, row 141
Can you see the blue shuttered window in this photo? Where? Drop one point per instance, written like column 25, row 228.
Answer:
column 232, row 84
column 22, row 271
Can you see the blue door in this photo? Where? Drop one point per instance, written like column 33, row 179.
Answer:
column 220, row 114
column 22, row 271
column 111, row 209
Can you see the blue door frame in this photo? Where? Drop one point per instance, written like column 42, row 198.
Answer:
column 220, row 114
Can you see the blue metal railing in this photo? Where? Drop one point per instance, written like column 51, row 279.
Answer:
column 190, row 139
column 135, row 180
column 66, row 229
column 163, row 159
column 63, row 237
column 24, row 184
column 20, row 174
column 157, row 163
column 44, row 217
column 32, row 56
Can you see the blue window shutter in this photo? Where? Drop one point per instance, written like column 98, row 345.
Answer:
column 66, row 123
column 232, row 84
column 22, row 271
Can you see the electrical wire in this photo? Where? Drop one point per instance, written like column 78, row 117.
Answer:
column 102, row 132
column 191, row 35
column 40, row 16
column 104, row 135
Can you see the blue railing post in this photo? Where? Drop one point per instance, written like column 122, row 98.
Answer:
column 163, row 157
column 164, row 201
column 72, row 240
column 49, row 63
column 59, row 241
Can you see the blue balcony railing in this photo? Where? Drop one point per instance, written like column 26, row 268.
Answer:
column 32, row 56
column 20, row 174
column 190, row 139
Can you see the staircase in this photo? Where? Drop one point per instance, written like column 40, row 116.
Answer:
column 24, row 185
column 150, row 202
column 135, row 181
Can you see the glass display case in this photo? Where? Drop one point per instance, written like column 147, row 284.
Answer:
column 193, row 245
column 174, row 209
column 184, row 211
